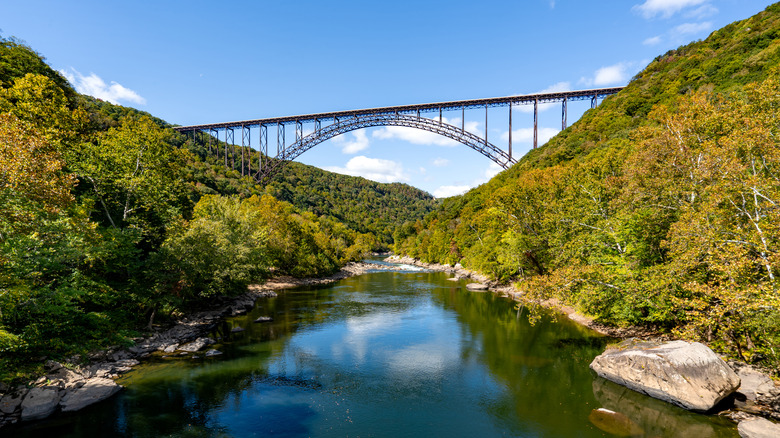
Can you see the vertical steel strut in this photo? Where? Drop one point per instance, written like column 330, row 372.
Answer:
column 486, row 112
column 510, row 129
column 563, row 113
column 263, row 154
column 536, row 121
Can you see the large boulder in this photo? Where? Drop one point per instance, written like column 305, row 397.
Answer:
column 689, row 375
column 40, row 403
column 93, row 391
column 196, row 345
column 758, row 428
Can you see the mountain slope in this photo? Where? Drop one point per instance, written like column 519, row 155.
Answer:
column 657, row 208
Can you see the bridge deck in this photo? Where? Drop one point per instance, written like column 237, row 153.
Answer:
column 423, row 108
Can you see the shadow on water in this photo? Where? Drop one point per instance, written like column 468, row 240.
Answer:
column 384, row 354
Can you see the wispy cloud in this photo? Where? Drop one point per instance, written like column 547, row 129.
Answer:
column 95, row 86
column 554, row 88
column 665, row 8
column 492, row 170
column 616, row 74
column 357, row 143
column 680, row 33
column 652, row 41
column 526, row 135
column 418, row 136
column 687, row 29
column 375, row 169
column 441, row 162
column 447, row 191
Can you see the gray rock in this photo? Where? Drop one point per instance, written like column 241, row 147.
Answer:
column 758, row 428
column 212, row 353
column 754, row 384
column 40, row 403
column 476, row 286
column 264, row 319
column 170, row 348
column 9, row 403
column 196, row 345
column 93, row 391
column 237, row 330
column 689, row 375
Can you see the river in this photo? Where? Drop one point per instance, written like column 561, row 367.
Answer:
column 386, row 354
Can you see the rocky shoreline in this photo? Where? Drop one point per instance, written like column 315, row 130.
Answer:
column 758, row 396
column 71, row 386
column 68, row 387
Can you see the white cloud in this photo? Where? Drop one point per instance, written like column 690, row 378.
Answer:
column 374, row 169
column 552, row 4
column 95, row 86
column 447, row 191
column 441, row 162
column 418, row 136
column 652, row 41
column 526, row 135
column 665, row 8
column 616, row 74
column 358, row 143
column 690, row 28
column 492, row 170
column 704, row 11
column 554, row 88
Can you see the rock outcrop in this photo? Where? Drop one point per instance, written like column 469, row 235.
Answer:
column 93, row 391
column 40, row 403
column 689, row 375
column 758, row 428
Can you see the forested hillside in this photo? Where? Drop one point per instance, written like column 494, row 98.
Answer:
column 362, row 205
column 658, row 208
column 110, row 221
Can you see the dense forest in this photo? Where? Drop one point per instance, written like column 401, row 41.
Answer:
column 111, row 222
column 659, row 208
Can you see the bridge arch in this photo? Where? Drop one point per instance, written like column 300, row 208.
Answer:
column 353, row 123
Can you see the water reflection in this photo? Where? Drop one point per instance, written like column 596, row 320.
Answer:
column 385, row 354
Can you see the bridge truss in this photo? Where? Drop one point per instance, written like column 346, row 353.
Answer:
column 340, row 122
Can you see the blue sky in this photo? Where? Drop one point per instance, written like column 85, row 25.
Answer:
column 191, row 62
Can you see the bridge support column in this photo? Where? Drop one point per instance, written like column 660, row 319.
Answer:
column 280, row 146
column 263, row 153
column 232, row 143
column 246, row 142
column 486, row 126
column 510, row 130
column 563, row 113
column 536, row 122
column 594, row 101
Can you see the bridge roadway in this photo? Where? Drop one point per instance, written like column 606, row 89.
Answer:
column 345, row 121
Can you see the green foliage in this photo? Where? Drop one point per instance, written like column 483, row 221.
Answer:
column 658, row 208
column 104, row 225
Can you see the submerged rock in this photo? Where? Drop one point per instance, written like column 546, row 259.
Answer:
column 689, row 375
column 237, row 330
column 614, row 423
column 40, row 403
column 93, row 391
column 264, row 319
column 476, row 286
column 212, row 353
column 9, row 403
column 758, row 428
column 196, row 345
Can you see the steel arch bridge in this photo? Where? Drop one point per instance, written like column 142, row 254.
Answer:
column 346, row 121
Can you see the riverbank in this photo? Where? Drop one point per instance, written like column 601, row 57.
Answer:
column 759, row 394
column 79, row 382
column 510, row 291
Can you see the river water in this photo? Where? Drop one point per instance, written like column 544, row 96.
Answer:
column 386, row 354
